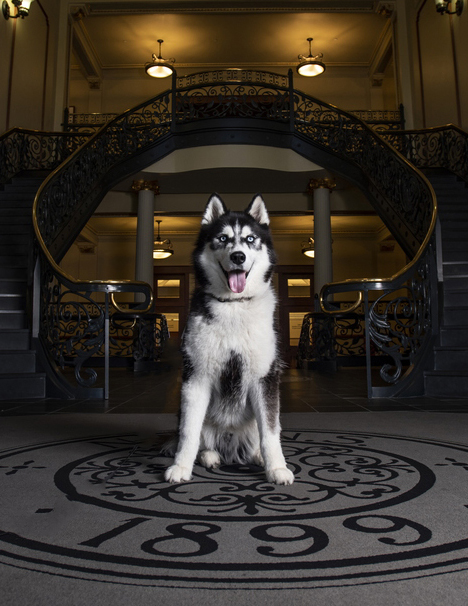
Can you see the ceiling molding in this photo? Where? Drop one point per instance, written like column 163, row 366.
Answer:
column 383, row 51
column 84, row 50
column 230, row 6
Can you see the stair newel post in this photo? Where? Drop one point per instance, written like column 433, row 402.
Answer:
column 368, row 344
column 106, row 346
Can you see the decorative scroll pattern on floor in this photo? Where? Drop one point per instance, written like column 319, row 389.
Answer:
column 364, row 508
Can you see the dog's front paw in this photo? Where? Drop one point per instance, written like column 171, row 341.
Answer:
column 210, row 459
column 176, row 473
column 281, row 475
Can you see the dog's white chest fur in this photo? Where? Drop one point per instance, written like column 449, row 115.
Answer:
column 249, row 325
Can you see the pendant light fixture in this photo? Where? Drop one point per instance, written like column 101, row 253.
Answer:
column 310, row 65
column 159, row 67
column 162, row 249
column 308, row 248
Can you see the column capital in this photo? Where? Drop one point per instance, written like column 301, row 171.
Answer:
column 142, row 185
column 325, row 183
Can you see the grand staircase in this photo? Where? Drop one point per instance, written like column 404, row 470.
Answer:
column 450, row 377
column 19, row 376
column 86, row 168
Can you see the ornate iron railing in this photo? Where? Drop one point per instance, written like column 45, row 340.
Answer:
column 135, row 340
column 85, row 123
column 341, row 337
column 382, row 120
column 400, row 321
column 22, row 150
column 75, row 324
column 402, row 196
column 215, row 102
column 440, row 147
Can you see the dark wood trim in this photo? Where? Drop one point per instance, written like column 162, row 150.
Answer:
column 10, row 75
column 421, row 79
column 46, row 59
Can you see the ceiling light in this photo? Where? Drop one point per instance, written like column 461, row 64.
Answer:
column 162, row 249
column 159, row 67
column 310, row 65
column 22, row 8
column 308, row 248
column 442, row 7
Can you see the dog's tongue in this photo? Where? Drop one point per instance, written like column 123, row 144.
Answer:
column 237, row 281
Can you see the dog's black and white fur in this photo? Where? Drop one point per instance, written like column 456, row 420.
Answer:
column 230, row 385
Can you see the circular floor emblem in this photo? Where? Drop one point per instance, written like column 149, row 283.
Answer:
column 363, row 507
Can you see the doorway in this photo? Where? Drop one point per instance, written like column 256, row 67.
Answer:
column 172, row 296
column 296, row 298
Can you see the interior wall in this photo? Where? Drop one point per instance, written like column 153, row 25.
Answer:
column 443, row 47
column 27, row 67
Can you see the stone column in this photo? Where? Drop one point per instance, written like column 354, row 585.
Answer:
column 147, row 190
column 323, row 266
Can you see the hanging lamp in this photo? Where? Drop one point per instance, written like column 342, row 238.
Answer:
column 310, row 65
column 159, row 67
column 162, row 249
column 308, row 248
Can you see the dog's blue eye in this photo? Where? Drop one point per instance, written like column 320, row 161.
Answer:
column 222, row 238
column 250, row 239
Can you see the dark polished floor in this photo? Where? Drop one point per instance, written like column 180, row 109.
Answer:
column 301, row 391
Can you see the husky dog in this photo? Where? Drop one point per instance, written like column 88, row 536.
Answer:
column 230, row 382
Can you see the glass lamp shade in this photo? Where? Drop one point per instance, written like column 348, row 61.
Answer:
column 310, row 68
column 308, row 248
column 162, row 249
column 159, row 69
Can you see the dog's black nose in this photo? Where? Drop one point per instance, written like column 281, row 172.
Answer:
column 238, row 258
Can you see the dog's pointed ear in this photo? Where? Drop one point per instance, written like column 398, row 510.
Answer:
column 214, row 209
column 258, row 211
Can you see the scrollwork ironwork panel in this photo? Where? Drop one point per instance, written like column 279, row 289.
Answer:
column 22, row 149
column 442, row 147
column 399, row 328
column 73, row 329
column 231, row 100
